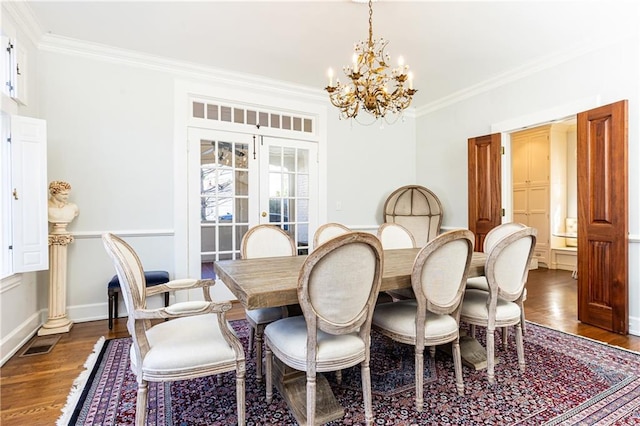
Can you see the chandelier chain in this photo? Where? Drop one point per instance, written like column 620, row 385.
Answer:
column 370, row 22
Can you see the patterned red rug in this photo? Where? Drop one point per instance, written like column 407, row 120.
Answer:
column 569, row 380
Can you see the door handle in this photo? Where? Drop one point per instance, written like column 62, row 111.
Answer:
column 264, row 214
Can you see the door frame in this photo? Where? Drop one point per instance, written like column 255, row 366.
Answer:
column 534, row 120
column 241, row 93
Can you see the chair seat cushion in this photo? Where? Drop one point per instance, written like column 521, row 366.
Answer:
column 478, row 283
column 188, row 344
column 263, row 315
column 474, row 307
column 400, row 318
column 151, row 277
column 289, row 336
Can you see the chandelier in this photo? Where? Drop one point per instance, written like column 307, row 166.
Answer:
column 370, row 80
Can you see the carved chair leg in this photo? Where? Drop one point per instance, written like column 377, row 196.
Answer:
column 311, row 398
column 457, row 365
column 505, row 337
column 268, row 359
column 240, row 392
column 520, row 347
column 491, row 355
column 141, row 403
column 419, row 372
column 366, row 392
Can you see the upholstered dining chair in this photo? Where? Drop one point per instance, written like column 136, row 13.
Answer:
column 264, row 241
column 337, row 289
column 416, row 208
column 327, row 231
column 197, row 340
column 506, row 271
column 395, row 236
column 480, row 283
column 438, row 278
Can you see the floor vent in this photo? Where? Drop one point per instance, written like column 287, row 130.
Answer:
column 40, row 345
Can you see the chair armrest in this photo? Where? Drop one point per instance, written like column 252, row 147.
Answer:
column 183, row 309
column 181, row 284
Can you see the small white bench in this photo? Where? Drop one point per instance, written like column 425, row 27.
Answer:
column 565, row 258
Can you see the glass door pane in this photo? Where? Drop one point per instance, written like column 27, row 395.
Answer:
column 224, row 199
column 289, row 195
column 233, row 188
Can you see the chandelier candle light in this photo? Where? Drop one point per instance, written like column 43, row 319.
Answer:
column 370, row 77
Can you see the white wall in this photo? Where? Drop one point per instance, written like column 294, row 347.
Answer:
column 110, row 134
column 365, row 165
column 594, row 78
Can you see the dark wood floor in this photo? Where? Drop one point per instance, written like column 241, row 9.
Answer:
column 34, row 389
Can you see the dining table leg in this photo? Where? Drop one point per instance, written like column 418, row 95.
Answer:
column 292, row 385
column 473, row 354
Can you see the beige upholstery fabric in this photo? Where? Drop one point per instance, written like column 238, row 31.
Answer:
column 259, row 242
column 337, row 289
column 417, row 209
column 438, row 279
column 490, row 240
column 332, row 350
column 476, row 307
column 400, row 318
column 266, row 241
column 328, row 231
column 498, row 233
column 501, row 305
column 190, row 343
column 196, row 342
column 345, row 277
column 395, row 236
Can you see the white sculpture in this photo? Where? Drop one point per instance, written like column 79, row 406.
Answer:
column 61, row 213
column 60, row 209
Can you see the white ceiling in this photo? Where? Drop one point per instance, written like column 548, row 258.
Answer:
column 451, row 46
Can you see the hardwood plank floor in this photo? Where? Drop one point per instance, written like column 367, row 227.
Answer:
column 34, row 389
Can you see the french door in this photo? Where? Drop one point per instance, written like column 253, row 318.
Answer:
column 239, row 180
column 289, row 187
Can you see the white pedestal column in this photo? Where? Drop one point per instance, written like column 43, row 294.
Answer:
column 58, row 321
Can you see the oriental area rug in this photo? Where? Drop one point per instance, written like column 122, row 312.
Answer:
column 569, row 380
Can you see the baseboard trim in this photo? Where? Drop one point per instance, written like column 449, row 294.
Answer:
column 12, row 343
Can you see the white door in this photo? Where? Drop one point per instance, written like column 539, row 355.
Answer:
column 289, row 195
column 239, row 180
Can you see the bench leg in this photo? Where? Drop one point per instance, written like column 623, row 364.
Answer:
column 112, row 297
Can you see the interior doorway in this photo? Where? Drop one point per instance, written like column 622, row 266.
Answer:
column 543, row 182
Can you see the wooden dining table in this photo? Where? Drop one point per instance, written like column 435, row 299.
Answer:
column 271, row 282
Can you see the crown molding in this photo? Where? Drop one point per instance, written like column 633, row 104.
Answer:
column 69, row 46
column 23, row 16
column 519, row 73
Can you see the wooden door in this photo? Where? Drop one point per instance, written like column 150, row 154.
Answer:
column 484, row 185
column 603, row 218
